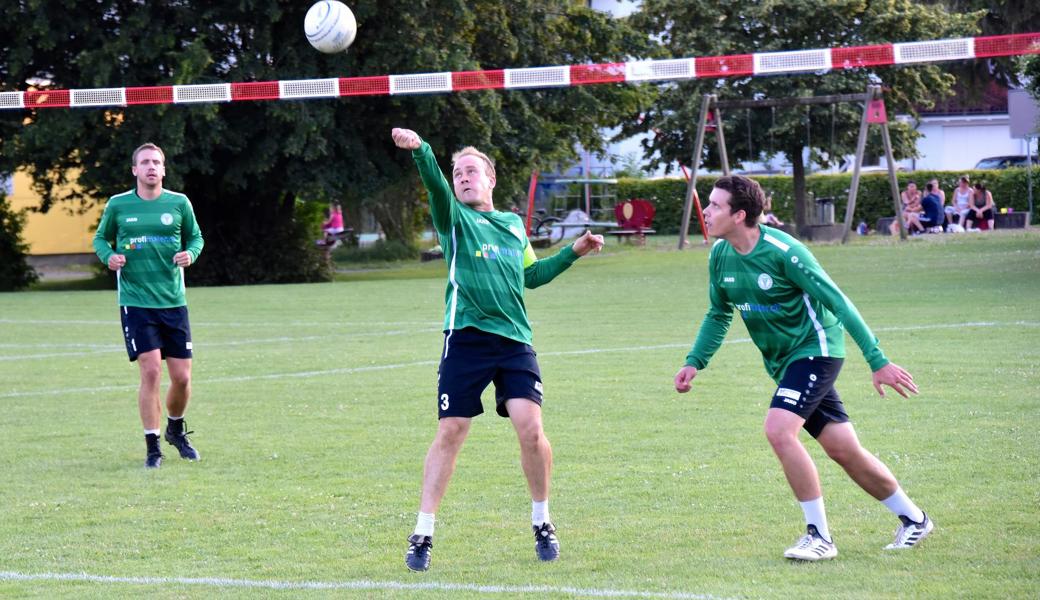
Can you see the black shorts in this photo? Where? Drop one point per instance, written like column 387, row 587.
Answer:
column 163, row 329
column 807, row 390
column 471, row 359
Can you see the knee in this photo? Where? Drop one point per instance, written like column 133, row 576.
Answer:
column 180, row 380
column 844, row 454
column 451, row 434
column 151, row 375
column 530, row 436
column 779, row 436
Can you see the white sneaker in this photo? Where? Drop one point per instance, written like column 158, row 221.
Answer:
column 910, row 534
column 812, row 546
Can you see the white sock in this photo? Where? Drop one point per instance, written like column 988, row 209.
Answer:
column 539, row 512
column 424, row 524
column 816, row 516
column 173, row 418
column 901, row 504
column 151, row 432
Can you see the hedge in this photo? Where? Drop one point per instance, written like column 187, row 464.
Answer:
column 874, row 200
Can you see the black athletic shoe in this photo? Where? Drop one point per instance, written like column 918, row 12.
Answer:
column 419, row 549
column 545, row 543
column 182, row 443
column 153, row 460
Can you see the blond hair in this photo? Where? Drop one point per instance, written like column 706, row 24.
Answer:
column 489, row 165
column 147, row 146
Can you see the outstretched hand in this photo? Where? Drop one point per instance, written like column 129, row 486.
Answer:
column 684, row 379
column 587, row 243
column 406, row 138
column 895, row 377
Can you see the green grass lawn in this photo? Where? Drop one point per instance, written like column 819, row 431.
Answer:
column 314, row 405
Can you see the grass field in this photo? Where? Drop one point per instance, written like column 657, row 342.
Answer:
column 313, row 407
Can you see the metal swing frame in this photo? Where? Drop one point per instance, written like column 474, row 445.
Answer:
column 711, row 105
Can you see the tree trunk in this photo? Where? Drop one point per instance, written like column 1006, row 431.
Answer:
column 395, row 209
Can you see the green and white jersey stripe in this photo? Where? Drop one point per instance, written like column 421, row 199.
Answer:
column 790, row 306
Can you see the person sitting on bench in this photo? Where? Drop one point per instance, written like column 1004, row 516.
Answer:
column 932, row 216
column 333, row 225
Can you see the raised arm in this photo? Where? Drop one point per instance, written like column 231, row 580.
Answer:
column 442, row 199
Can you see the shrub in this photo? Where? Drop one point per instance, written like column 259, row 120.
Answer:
column 381, row 251
column 873, row 201
column 15, row 271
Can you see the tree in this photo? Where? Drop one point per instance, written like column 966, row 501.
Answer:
column 15, row 271
column 697, row 27
column 246, row 164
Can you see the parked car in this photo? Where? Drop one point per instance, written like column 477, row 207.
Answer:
column 1005, row 162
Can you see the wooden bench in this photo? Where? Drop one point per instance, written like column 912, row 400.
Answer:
column 335, row 240
column 883, row 225
column 1011, row 220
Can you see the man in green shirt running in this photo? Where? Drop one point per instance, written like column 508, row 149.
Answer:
column 797, row 317
column 487, row 337
column 148, row 235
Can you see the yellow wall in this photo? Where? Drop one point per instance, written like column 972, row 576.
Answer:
column 56, row 232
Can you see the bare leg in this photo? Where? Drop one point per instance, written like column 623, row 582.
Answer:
column 440, row 461
column 180, row 386
column 840, row 442
column 150, row 364
column 535, row 451
column 782, row 429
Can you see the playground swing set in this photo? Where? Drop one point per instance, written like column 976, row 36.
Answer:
column 711, row 119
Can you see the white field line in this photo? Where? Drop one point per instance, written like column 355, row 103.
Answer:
column 420, row 363
column 362, row 584
column 105, row 348
column 110, row 322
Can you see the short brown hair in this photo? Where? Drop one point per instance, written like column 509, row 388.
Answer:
column 745, row 195
column 489, row 165
column 146, row 146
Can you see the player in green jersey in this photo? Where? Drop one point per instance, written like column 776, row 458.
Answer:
column 148, row 235
column 797, row 317
column 487, row 334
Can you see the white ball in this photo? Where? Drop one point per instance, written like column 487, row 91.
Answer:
column 330, row 26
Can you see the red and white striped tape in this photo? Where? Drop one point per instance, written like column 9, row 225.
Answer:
column 738, row 65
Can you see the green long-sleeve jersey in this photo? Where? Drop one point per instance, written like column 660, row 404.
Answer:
column 789, row 304
column 490, row 259
column 149, row 233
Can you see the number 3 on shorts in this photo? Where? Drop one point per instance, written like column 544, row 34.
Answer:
column 444, row 402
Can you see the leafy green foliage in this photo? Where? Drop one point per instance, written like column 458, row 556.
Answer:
column 15, row 271
column 993, row 17
column 243, row 164
column 702, row 28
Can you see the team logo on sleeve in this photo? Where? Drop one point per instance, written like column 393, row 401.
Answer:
column 166, row 219
column 765, row 281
